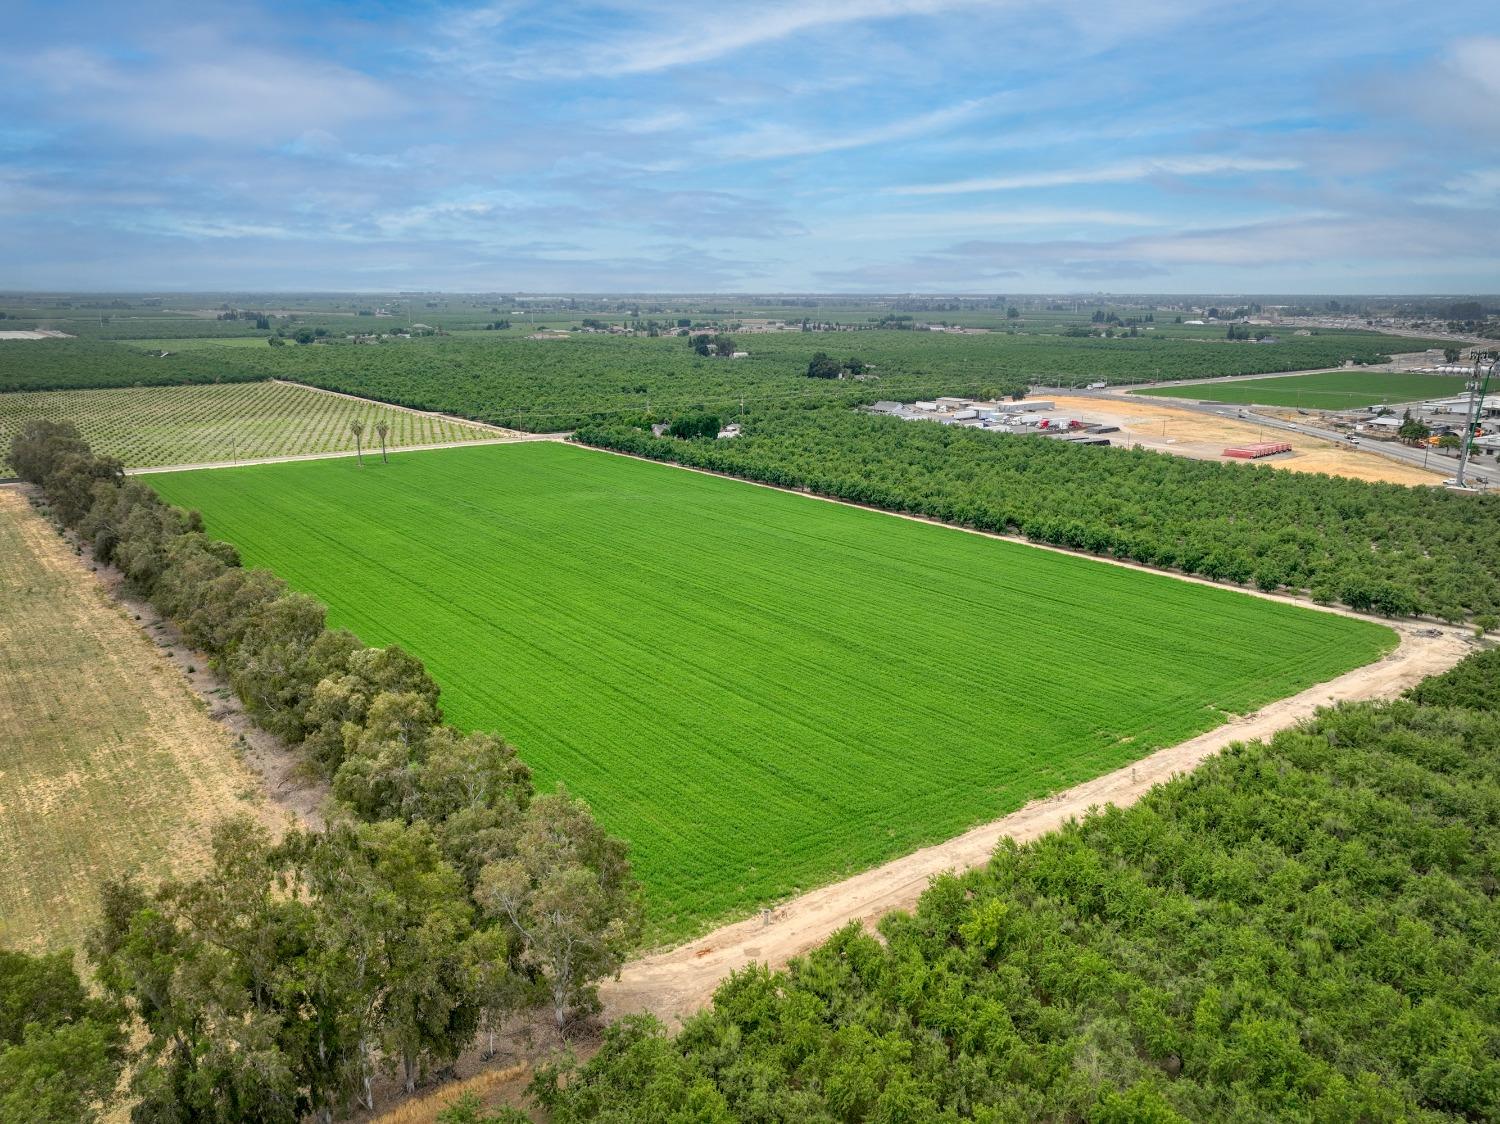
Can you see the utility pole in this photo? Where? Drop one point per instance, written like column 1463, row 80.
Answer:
column 1478, row 389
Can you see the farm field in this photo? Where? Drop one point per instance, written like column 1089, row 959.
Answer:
column 149, row 426
column 110, row 763
column 760, row 691
column 1330, row 390
column 549, row 385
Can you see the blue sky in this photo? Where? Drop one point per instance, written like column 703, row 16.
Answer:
column 852, row 145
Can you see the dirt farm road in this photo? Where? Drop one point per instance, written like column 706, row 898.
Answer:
column 675, row 983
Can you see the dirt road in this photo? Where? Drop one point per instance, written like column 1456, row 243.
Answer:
column 678, row 982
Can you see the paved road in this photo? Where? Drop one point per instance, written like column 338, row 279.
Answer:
column 1481, row 469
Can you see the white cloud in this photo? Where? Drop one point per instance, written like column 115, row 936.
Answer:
column 201, row 86
column 895, row 225
column 1121, row 172
column 1479, row 188
column 1316, row 239
column 707, row 32
column 1477, row 61
column 201, row 228
column 1458, row 93
column 776, row 141
column 695, row 33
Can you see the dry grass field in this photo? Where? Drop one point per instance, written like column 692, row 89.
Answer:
column 108, row 761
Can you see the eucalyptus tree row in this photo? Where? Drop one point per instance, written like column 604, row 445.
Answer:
column 444, row 896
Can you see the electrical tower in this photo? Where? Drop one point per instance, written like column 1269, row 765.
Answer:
column 1478, row 389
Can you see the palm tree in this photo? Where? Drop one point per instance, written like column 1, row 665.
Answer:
column 357, row 428
column 382, row 428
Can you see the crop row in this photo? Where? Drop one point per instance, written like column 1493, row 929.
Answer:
column 1328, row 390
column 759, row 692
column 146, row 426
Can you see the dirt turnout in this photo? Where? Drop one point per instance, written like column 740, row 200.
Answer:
column 108, row 762
column 1154, row 423
column 676, row 983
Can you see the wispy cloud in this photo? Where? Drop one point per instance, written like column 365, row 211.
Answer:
column 199, row 86
column 1121, row 172
column 1457, row 94
column 698, row 34
column 1019, row 144
column 774, row 141
column 1480, row 188
column 908, row 224
column 1322, row 242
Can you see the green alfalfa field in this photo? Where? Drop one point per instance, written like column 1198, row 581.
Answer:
column 1324, row 390
column 762, row 692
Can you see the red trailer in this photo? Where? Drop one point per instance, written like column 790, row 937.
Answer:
column 1254, row 452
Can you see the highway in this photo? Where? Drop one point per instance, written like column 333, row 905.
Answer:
column 1482, row 470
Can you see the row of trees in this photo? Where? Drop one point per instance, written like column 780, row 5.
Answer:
column 1300, row 930
column 357, row 429
column 1374, row 547
column 445, row 894
column 551, row 385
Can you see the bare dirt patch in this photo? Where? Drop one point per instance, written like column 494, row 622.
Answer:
column 109, row 763
column 1154, row 424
